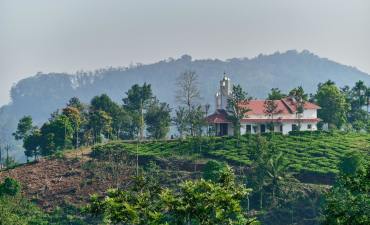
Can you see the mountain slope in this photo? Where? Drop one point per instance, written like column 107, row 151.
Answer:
column 42, row 94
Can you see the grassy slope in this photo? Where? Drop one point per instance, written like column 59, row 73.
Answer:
column 317, row 153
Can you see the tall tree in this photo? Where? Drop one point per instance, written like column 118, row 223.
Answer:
column 102, row 102
column 271, row 109
column 300, row 98
column 188, row 93
column 180, row 121
column 137, row 101
column 357, row 98
column 187, row 89
column 24, row 128
column 29, row 133
column 277, row 171
column 100, row 123
column 76, row 120
column 57, row 134
column 121, row 119
column 237, row 107
column 121, row 122
column 32, row 143
column 196, row 120
column 158, row 119
column 76, row 103
column 333, row 104
column 359, row 95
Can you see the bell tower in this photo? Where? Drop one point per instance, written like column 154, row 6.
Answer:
column 224, row 93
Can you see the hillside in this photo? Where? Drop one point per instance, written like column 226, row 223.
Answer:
column 68, row 179
column 41, row 94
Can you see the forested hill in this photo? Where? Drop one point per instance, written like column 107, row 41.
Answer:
column 41, row 94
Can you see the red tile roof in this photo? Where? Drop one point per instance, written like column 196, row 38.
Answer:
column 279, row 120
column 257, row 107
column 220, row 116
column 284, row 106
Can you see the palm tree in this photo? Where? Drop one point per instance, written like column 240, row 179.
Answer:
column 277, row 171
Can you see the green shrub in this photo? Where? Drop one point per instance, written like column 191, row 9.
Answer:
column 9, row 187
column 213, row 170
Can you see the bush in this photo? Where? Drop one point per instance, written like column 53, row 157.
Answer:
column 9, row 187
column 58, row 155
column 213, row 170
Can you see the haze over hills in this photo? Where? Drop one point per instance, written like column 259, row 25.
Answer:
column 42, row 94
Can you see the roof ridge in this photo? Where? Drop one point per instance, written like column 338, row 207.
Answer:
column 287, row 105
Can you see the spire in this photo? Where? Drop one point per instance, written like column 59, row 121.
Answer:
column 225, row 76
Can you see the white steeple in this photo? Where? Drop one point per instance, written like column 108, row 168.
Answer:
column 224, row 92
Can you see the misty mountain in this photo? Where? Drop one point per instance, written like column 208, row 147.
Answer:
column 42, row 94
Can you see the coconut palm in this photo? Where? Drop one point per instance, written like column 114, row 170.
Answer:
column 277, row 173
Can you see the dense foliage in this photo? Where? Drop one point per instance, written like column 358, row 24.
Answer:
column 78, row 124
column 192, row 202
column 349, row 200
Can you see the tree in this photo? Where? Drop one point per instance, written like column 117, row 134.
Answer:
column 196, row 120
column 158, row 119
column 76, row 103
column 121, row 121
column 102, row 102
column 188, row 93
column 259, row 156
column 24, row 128
column 276, row 94
column 30, row 136
column 277, row 171
column 348, row 201
column 271, row 109
column 237, row 107
column 99, row 123
column 357, row 99
column 207, row 202
column 57, row 134
column 300, row 98
column 180, row 121
column 74, row 116
column 333, row 104
column 359, row 95
column 137, row 100
column 32, row 143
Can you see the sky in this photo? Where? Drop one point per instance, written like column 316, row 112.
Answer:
column 70, row 35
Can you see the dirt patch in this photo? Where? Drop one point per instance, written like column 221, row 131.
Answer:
column 52, row 182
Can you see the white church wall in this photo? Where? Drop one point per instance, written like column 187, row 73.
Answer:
column 310, row 113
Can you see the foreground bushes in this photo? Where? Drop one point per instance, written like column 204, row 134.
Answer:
column 192, row 202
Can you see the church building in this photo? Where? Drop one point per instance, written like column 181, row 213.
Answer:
column 285, row 118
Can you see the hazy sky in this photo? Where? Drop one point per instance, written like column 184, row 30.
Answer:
column 68, row 35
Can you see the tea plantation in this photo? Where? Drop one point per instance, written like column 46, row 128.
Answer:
column 309, row 152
